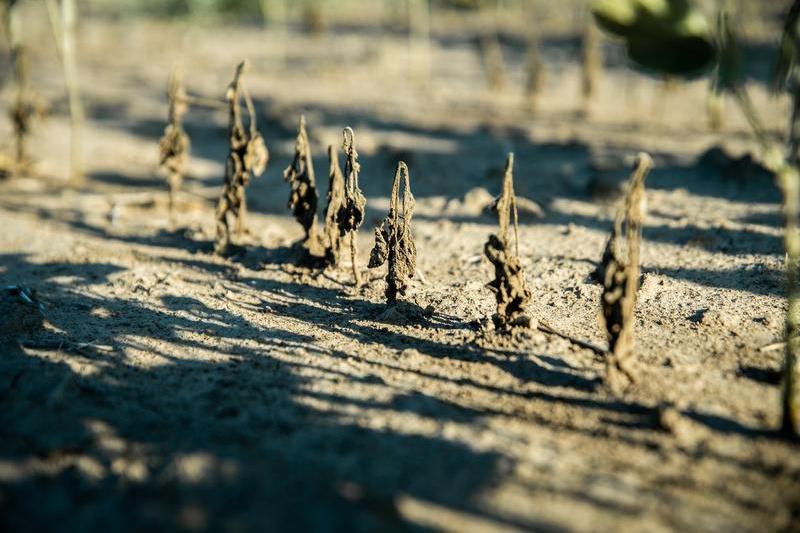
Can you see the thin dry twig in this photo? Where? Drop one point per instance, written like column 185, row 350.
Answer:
column 544, row 327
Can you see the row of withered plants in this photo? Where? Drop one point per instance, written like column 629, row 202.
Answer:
column 323, row 245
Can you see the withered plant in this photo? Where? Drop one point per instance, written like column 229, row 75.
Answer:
column 303, row 198
column 534, row 66
column 620, row 273
column 336, row 198
column 350, row 215
column 248, row 157
column 592, row 62
column 63, row 20
column 24, row 109
column 174, row 145
column 314, row 17
column 511, row 291
column 535, row 73
column 419, row 40
column 394, row 243
column 493, row 63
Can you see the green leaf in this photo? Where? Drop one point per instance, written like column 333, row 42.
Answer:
column 665, row 36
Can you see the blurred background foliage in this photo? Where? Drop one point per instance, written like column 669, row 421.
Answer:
column 761, row 16
column 267, row 9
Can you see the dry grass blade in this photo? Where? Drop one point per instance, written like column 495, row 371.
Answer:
column 511, row 291
column 350, row 215
column 248, row 157
column 174, row 146
column 394, row 243
column 621, row 277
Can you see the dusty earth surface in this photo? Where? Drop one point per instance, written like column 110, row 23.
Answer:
column 172, row 388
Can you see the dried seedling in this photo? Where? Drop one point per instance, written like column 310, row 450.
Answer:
column 64, row 25
column 620, row 273
column 394, row 243
column 26, row 106
column 350, row 215
column 493, row 62
column 174, row 145
column 419, row 40
column 511, row 291
column 303, row 198
column 592, row 62
column 248, row 157
column 336, row 197
column 788, row 179
column 534, row 65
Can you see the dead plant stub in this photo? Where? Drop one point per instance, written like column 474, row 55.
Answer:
column 336, row 197
column 303, row 198
column 394, row 243
column 511, row 291
column 350, row 215
column 248, row 156
column 174, row 146
column 620, row 272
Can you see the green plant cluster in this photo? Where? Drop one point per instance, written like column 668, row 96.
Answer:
column 177, row 8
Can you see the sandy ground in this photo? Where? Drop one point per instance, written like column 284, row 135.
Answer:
column 174, row 389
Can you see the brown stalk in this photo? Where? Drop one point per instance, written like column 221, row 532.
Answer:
column 350, row 215
column 534, row 66
column 24, row 109
column 174, row 146
column 303, row 198
column 394, row 243
column 248, row 157
column 621, row 277
column 511, row 291
column 493, row 62
column 592, row 59
column 336, row 198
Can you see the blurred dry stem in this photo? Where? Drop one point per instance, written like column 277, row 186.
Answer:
column 174, row 146
column 592, row 62
column 493, row 62
column 620, row 273
column 534, row 65
column 419, row 44
column 788, row 177
column 25, row 108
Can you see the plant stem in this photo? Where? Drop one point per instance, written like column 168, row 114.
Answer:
column 64, row 35
column 356, row 273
